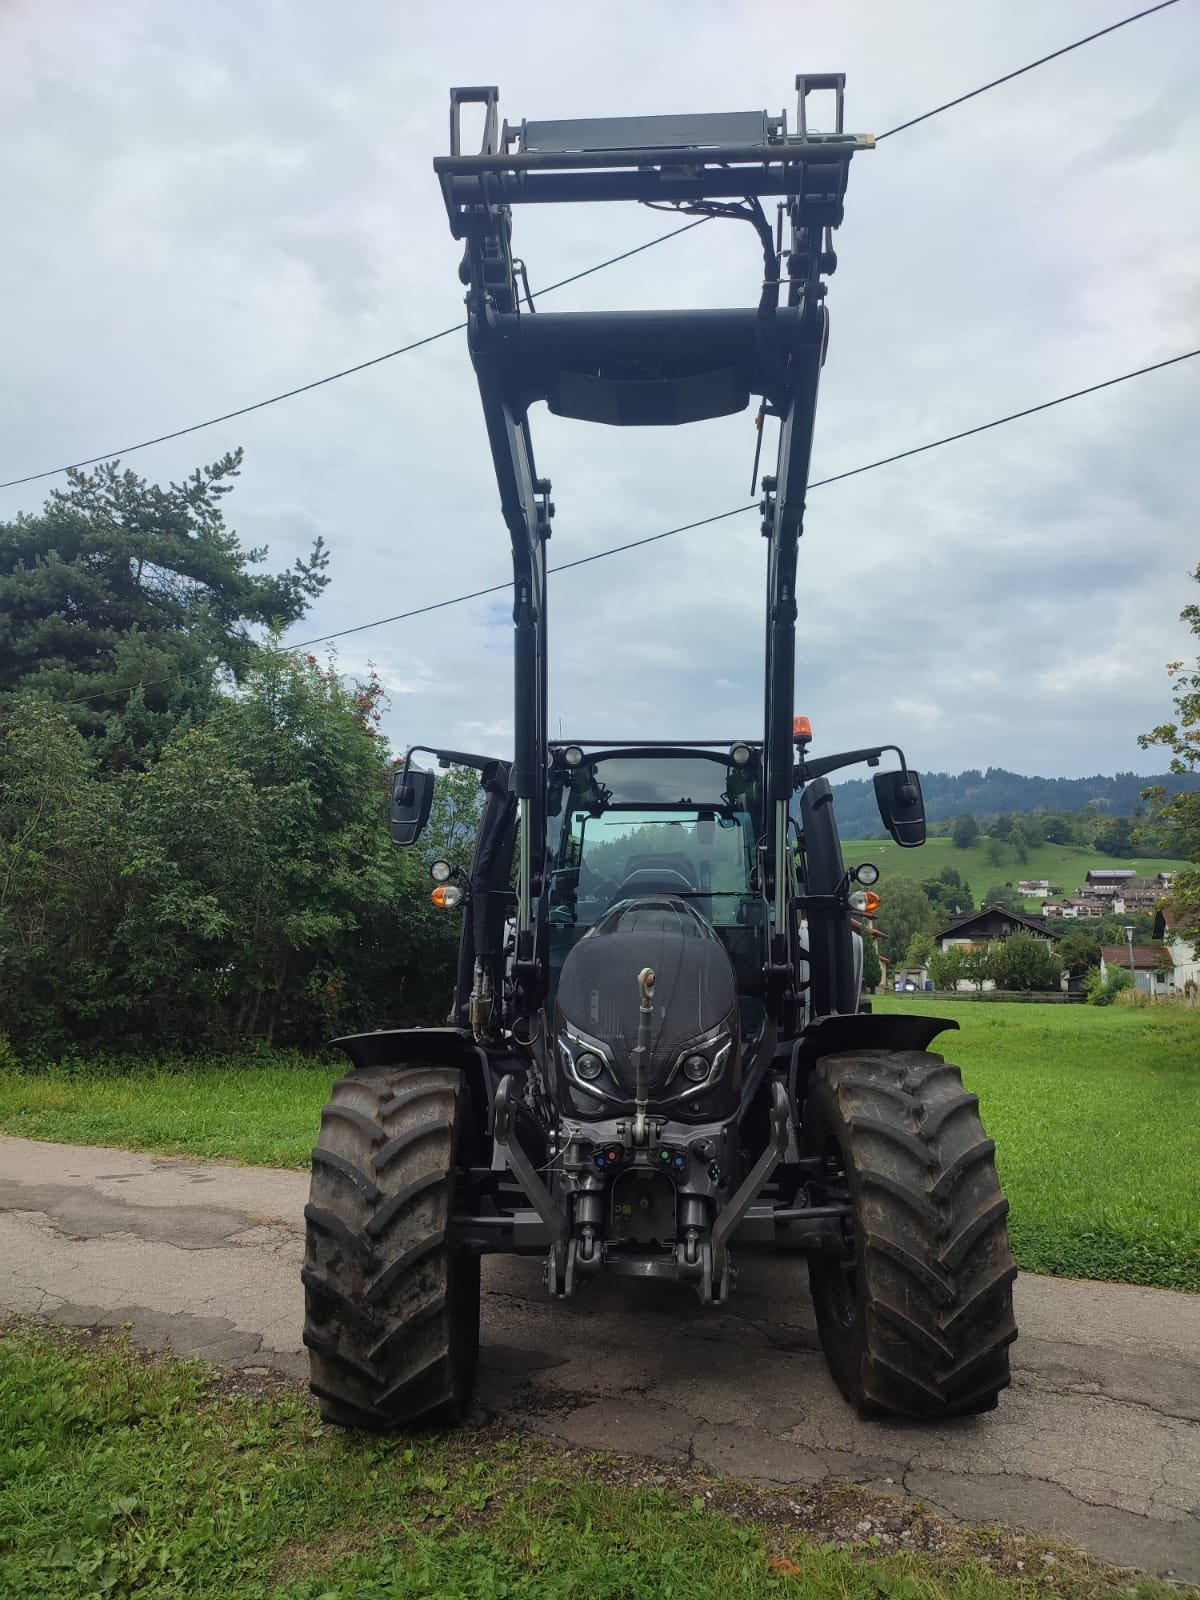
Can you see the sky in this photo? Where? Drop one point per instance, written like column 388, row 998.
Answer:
column 208, row 204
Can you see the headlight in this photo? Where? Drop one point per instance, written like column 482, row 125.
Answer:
column 696, row 1068
column 589, row 1066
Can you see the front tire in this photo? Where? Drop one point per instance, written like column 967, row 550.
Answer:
column 917, row 1318
column 391, row 1309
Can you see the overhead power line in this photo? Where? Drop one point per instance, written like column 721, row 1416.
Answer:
column 346, row 372
column 442, row 333
column 700, row 522
column 1021, row 71
column 736, row 511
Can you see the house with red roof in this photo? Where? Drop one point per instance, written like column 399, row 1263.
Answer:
column 1152, row 965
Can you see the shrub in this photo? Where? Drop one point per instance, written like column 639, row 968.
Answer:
column 1102, row 991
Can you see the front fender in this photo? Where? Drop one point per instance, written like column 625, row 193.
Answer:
column 434, row 1047
column 860, row 1030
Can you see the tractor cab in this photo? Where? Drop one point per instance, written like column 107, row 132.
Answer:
column 655, row 822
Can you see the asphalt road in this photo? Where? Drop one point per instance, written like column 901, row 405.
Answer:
column 1097, row 1441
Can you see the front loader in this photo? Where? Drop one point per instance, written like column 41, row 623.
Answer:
column 659, row 1056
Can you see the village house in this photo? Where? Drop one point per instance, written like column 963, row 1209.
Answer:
column 1136, row 900
column 1074, row 908
column 978, row 930
column 1181, row 946
column 1153, row 966
column 1035, row 888
column 1109, row 878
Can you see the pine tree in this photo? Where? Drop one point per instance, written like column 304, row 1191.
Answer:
column 122, row 602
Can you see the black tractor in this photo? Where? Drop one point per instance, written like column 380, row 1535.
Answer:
column 659, row 1053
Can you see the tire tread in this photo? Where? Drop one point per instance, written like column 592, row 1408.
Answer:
column 391, row 1308
column 932, row 1324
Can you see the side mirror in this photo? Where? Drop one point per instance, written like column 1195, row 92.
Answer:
column 901, row 807
column 412, row 796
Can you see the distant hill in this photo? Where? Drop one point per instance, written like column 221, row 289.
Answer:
column 990, row 794
column 1063, row 864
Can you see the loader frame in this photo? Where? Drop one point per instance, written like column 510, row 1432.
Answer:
column 716, row 360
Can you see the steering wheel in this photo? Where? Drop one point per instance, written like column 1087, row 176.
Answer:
column 654, row 880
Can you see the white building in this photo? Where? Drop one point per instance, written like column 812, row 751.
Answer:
column 1182, row 946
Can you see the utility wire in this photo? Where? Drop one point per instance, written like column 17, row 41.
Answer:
column 495, row 588
column 346, row 372
column 687, row 527
column 1020, row 71
column 999, row 422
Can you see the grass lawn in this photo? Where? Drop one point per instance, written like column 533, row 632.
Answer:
column 1095, row 1110
column 1065, row 864
column 128, row 1477
column 265, row 1113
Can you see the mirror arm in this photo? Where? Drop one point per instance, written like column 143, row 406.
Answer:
column 806, row 771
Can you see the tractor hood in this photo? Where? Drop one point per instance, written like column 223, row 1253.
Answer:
column 690, row 1036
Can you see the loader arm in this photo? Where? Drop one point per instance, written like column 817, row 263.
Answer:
column 648, row 368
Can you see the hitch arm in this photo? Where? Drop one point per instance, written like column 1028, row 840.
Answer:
column 751, row 1186
column 540, row 1198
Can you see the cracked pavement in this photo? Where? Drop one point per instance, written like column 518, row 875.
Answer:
column 1097, row 1441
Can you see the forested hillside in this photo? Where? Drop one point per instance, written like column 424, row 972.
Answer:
column 988, row 795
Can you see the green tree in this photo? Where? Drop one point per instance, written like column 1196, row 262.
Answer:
column 1111, row 930
column 947, row 968
column 920, row 949
column 997, row 853
column 905, row 910
column 1003, row 894
column 1018, row 843
column 872, row 971
column 1079, row 951
column 949, row 894
column 956, row 891
column 978, row 966
column 1057, row 830
column 242, row 888
column 1024, row 962
column 965, row 831
column 62, row 851
column 122, row 602
column 1115, row 838
column 1180, row 812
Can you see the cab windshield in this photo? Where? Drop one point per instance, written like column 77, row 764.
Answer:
column 696, row 853
column 627, row 825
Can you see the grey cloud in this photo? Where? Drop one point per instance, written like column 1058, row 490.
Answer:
column 218, row 202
